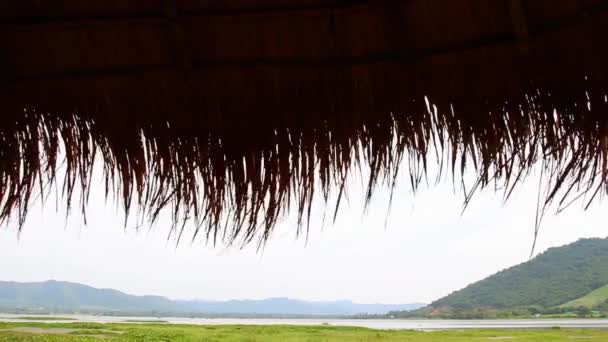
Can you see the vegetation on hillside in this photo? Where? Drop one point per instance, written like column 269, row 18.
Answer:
column 540, row 285
column 596, row 299
column 552, row 278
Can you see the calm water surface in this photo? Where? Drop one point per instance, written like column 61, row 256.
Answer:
column 384, row 324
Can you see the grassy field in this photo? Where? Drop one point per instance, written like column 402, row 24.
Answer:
column 590, row 300
column 80, row 332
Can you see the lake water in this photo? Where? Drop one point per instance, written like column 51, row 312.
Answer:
column 383, row 324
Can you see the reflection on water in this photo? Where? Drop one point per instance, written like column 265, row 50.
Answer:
column 384, row 324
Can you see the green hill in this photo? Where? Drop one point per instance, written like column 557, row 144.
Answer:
column 593, row 299
column 555, row 277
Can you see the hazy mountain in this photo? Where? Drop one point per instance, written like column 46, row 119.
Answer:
column 295, row 307
column 55, row 295
column 71, row 297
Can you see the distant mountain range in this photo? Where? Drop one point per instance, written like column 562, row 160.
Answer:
column 65, row 297
column 554, row 282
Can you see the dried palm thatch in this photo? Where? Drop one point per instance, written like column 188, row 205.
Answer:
column 230, row 113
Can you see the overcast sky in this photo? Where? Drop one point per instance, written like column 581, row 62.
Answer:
column 426, row 250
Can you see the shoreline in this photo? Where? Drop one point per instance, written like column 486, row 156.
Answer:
column 374, row 324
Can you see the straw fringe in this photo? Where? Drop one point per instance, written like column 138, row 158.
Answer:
column 233, row 195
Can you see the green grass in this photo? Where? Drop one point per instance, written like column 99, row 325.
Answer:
column 88, row 332
column 92, row 332
column 151, row 321
column 591, row 299
column 44, row 318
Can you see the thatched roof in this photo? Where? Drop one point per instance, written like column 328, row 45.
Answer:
column 227, row 112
